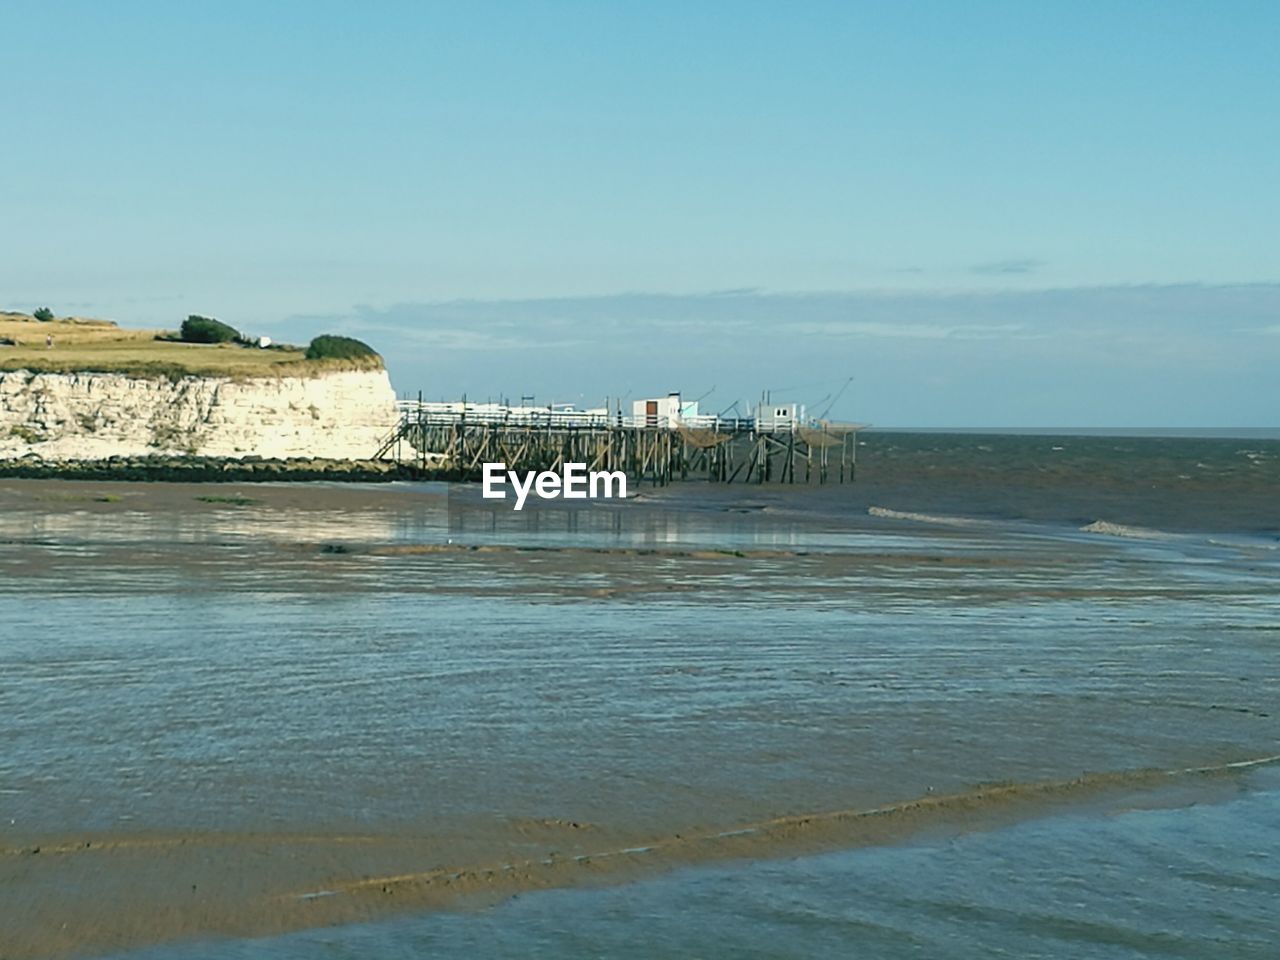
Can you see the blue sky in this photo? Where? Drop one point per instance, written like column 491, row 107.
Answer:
column 987, row 213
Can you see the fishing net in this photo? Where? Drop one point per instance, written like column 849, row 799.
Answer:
column 825, row 437
column 701, row 437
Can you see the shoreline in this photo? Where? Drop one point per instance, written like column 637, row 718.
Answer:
column 1174, row 485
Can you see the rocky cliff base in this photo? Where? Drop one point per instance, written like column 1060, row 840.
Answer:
column 219, row 469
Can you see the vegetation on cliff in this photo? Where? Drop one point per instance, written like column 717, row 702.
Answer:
column 330, row 347
column 77, row 345
column 197, row 329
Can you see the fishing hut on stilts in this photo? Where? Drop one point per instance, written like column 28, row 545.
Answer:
column 659, row 441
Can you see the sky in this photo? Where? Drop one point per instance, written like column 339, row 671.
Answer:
column 975, row 214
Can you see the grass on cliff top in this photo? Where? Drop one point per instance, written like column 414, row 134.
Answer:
column 97, row 346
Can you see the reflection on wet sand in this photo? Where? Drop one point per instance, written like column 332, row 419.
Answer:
column 325, row 705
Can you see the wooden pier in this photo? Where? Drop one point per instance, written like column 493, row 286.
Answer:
column 738, row 450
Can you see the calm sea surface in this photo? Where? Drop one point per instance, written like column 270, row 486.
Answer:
column 228, row 726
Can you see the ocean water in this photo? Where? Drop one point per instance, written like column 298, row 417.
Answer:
column 1177, row 484
column 334, row 724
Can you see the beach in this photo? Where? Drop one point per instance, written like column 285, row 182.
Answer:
column 241, row 712
column 535, row 481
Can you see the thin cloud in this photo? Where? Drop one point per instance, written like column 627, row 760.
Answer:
column 1026, row 265
column 1122, row 313
column 1164, row 354
column 909, row 331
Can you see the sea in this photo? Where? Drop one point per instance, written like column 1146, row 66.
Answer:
column 1003, row 695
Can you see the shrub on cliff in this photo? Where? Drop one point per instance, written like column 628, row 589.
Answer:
column 330, row 347
column 197, row 329
column 43, row 314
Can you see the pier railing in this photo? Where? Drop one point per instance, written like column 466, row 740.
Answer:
column 435, row 412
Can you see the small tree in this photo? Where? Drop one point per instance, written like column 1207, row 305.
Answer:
column 43, row 314
column 198, row 329
column 329, row 346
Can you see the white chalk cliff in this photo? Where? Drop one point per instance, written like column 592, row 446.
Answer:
column 89, row 416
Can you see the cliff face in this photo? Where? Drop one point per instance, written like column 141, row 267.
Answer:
column 89, row 416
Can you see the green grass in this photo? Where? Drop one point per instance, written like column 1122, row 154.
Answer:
column 98, row 347
column 235, row 500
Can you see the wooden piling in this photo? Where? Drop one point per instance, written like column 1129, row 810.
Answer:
column 736, row 452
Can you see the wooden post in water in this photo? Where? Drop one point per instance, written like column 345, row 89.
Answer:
column 734, row 450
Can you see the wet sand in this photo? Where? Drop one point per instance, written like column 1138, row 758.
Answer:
column 742, row 674
column 112, row 496
column 94, row 894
